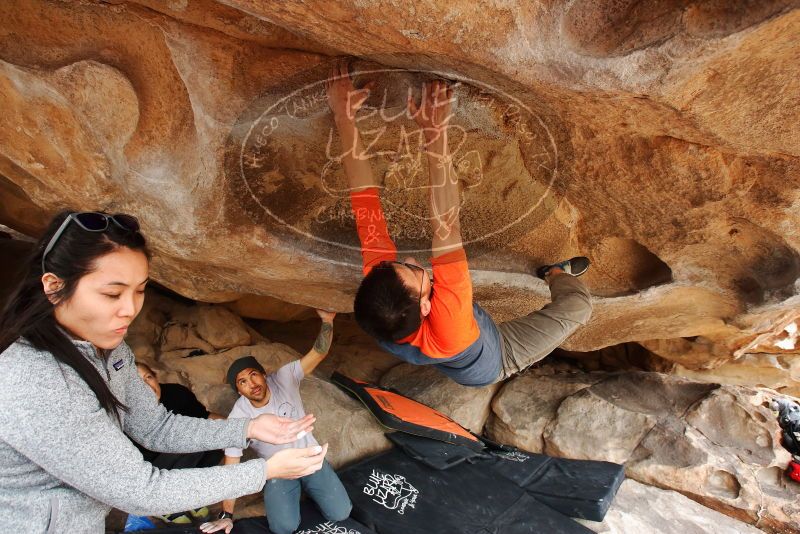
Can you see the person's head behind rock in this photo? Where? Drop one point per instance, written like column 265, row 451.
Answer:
column 149, row 377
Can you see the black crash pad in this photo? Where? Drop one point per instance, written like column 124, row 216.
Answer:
column 311, row 522
column 576, row 488
column 433, row 453
column 395, row 494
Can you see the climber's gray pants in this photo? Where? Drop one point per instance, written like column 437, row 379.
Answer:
column 528, row 339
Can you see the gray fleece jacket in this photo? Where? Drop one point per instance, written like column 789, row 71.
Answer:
column 64, row 461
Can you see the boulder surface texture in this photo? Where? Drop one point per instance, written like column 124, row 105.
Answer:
column 659, row 138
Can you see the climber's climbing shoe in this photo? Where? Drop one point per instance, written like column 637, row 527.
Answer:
column 574, row 266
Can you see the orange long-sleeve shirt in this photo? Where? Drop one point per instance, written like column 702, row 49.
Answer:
column 451, row 334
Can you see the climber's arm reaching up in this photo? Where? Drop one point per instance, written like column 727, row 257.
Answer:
column 345, row 101
column 433, row 117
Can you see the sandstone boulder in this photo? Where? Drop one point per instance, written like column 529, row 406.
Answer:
column 584, row 416
column 641, row 508
column 211, row 368
column 343, row 422
column 664, row 146
column 183, row 337
column 221, row 328
column 712, row 443
column 167, row 326
column 271, row 309
column 525, row 406
column 661, row 139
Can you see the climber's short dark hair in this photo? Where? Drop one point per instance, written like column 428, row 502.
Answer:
column 385, row 307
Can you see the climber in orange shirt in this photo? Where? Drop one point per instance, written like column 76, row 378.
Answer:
column 395, row 302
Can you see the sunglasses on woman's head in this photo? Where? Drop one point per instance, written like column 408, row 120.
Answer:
column 91, row 221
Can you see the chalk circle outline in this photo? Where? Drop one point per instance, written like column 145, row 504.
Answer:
column 445, row 75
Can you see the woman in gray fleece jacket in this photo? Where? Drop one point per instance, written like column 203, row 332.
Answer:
column 69, row 391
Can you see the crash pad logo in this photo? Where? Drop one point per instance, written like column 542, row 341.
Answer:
column 513, row 456
column 328, row 528
column 284, row 162
column 393, row 492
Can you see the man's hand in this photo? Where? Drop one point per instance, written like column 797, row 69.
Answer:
column 279, row 430
column 296, row 463
column 343, row 98
column 219, row 524
column 326, row 316
column 433, row 114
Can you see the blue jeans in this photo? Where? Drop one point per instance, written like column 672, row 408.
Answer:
column 282, row 499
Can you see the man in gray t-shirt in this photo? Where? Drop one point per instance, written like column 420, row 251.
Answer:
column 279, row 394
column 282, row 397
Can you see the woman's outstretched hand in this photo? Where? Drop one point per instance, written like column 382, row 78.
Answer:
column 296, row 463
column 279, row 430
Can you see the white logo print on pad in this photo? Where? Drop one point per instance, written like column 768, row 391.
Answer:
column 393, row 492
column 328, row 528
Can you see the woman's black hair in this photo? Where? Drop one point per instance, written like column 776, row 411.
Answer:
column 29, row 313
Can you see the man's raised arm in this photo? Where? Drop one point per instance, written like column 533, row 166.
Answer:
column 322, row 345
